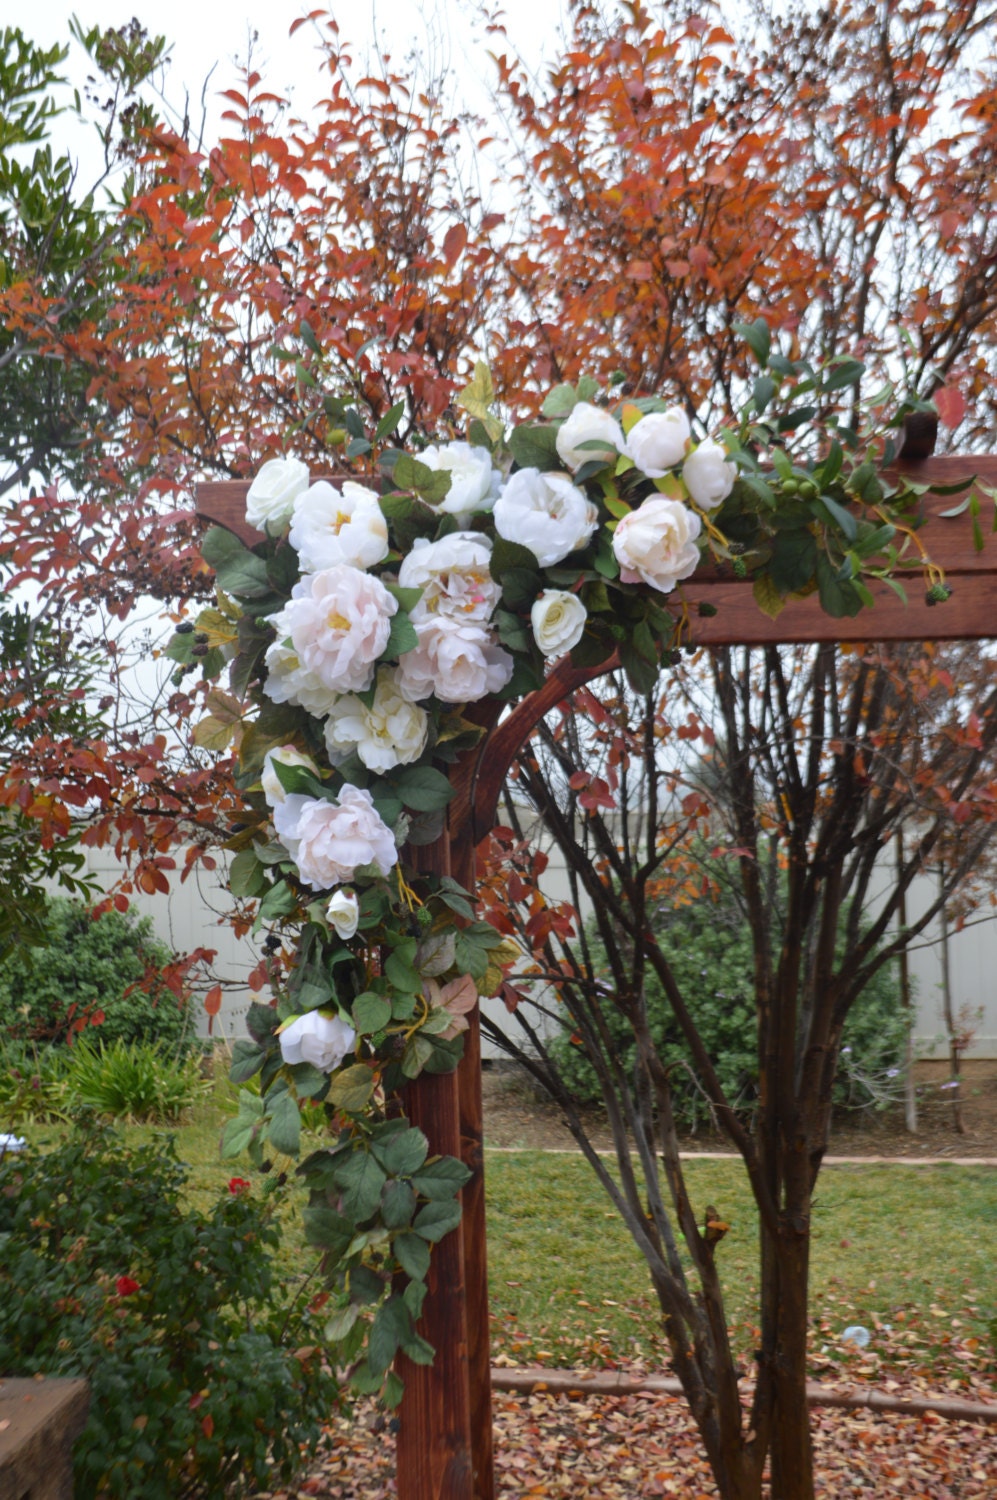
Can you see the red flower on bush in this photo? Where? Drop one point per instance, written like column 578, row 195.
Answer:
column 126, row 1286
column 239, row 1185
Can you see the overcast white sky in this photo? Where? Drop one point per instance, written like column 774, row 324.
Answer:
column 204, row 33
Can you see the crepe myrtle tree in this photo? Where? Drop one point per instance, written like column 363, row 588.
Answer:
column 814, row 758
column 369, row 636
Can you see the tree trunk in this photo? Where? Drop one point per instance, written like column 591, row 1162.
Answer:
column 784, row 1345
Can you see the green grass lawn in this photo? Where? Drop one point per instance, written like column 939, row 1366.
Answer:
column 908, row 1247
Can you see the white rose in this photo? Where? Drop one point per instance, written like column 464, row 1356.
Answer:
column 453, row 575
column 558, row 621
column 339, row 621
column 391, row 732
column 286, row 755
column 330, row 841
column 656, row 543
column 343, row 913
column 273, row 492
column 588, row 424
column 546, row 513
column 289, row 682
column 458, row 661
column 332, row 526
column 317, row 1038
column 708, row 476
column 658, row 441
column 473, row 482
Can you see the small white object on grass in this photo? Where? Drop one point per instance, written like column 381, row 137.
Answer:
column 856, row 1335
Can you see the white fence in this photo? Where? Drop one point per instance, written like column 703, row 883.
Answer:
column 193, row 916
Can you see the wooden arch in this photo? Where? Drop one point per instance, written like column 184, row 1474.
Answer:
column 445, row 1434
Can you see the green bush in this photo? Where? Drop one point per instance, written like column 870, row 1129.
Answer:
column 87, row 965
column 205, row 1378
column 34, row 1084
column 709, row 949
column 134, row 1081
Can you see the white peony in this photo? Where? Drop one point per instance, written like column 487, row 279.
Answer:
column 273, row 492
column 558, row 621
column 332, row 526
column 474, row 483
column 453, row 575
column 286, row 755
column 317, row 1038
column 343, row 913
column 658, row 441
column 546, row 513
column 391, row 732
column 588, row 424
column 339, row 621
column 656, row 543
column 708, row 476
column 457, row 660
column 330, row 841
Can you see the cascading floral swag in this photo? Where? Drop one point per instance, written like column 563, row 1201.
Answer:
column 357, row 632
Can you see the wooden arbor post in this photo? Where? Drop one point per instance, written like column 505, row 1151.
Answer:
column 445, row 1437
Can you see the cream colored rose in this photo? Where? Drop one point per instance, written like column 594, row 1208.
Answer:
column 286, row 755
column 457, row 660
column 317, row 1038
column 332, row 526
column 391, row 732
column 588, row 424
column 273, row 492
column 453, row 575
column 339, row 621
column 343, row 913
column 330, row 841
column 708, row 476
column 656, row 544
column 657, row 443
column 546, row 513
column 558, row 620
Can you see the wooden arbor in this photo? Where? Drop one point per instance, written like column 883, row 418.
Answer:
column 445, row 1438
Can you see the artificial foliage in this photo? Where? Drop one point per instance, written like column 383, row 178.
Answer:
column 370, row 636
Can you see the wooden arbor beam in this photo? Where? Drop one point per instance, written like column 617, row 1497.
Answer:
column 445, row 1441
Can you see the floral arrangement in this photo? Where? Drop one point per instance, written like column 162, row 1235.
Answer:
column 356, row 634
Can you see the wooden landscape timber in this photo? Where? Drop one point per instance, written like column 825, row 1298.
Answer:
column 445, row 1434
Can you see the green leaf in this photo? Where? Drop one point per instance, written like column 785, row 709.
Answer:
column 246, row 875
column 767, row 596
column 279, row 901
column 352, row 1088
column 238, row 571
column 478, row 396
column 561, row 401
column 535, row 448
column 441, row 1179
column 838, row 597
column 308, row 1080
column 389, row 422
column 397, row 1204
column 436, row 1220
column 341, row 1322
column 401, row 974
column 327, row 1230
column 412, row 1254
column 758, row 338
column 845, row 519
column 433, row 485
column 506, row 555
column 642, row 674
column 839, row 374
column 423, row 788
column 392, row 1326
column 371, row 1012
column 419, row 1350
column 407, row 598
column 394, row 1390
column 247, row 1060
column 794, row 558
column 403, row 1153
column 762, row 392
column 401, row 636
column 362, row 1179
column 284, row 1127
